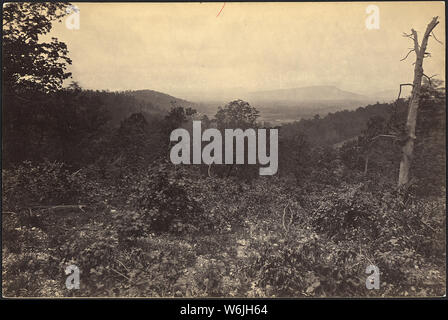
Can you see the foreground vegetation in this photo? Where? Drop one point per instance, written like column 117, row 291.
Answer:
column 173, row 232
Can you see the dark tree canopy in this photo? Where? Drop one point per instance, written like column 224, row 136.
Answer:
column 237, row 114
column 29, row 64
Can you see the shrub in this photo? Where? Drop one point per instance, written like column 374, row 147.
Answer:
column 304, row 264
column 347, row 214
column 162, row 195
column 48, row 183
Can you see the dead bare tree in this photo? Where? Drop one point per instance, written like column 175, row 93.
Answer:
column 420, row 52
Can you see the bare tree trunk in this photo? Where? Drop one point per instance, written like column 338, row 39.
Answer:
column 408, row 148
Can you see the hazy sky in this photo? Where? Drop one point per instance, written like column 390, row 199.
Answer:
column 184, row 47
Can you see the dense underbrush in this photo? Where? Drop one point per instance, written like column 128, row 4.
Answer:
column 173, row 232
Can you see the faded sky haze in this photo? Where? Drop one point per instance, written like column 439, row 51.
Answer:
column 185, row 48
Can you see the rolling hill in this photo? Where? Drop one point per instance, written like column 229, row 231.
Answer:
column 159, row 100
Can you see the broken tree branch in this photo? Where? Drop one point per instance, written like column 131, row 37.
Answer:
column 383, row 136
column 429, row 78
column 407, row 54
column 119, row 273
column 59, row 206
column 283, row 217
column 399, row 92
column 287, row 227
column 434, row 36
column 55, row 207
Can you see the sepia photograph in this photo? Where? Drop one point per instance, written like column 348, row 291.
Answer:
column 200, row 150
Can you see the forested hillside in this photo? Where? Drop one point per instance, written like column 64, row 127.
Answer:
column 87, row 181
column 163, row 101
column 341, row 125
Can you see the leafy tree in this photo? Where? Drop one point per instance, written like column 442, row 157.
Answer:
column 29, row 64
column 237, row 114
column 176, row 117
column 31, row 69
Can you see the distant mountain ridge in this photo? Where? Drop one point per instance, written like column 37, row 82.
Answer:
column 311, row 93
column 276, row 106
column 325, row 95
